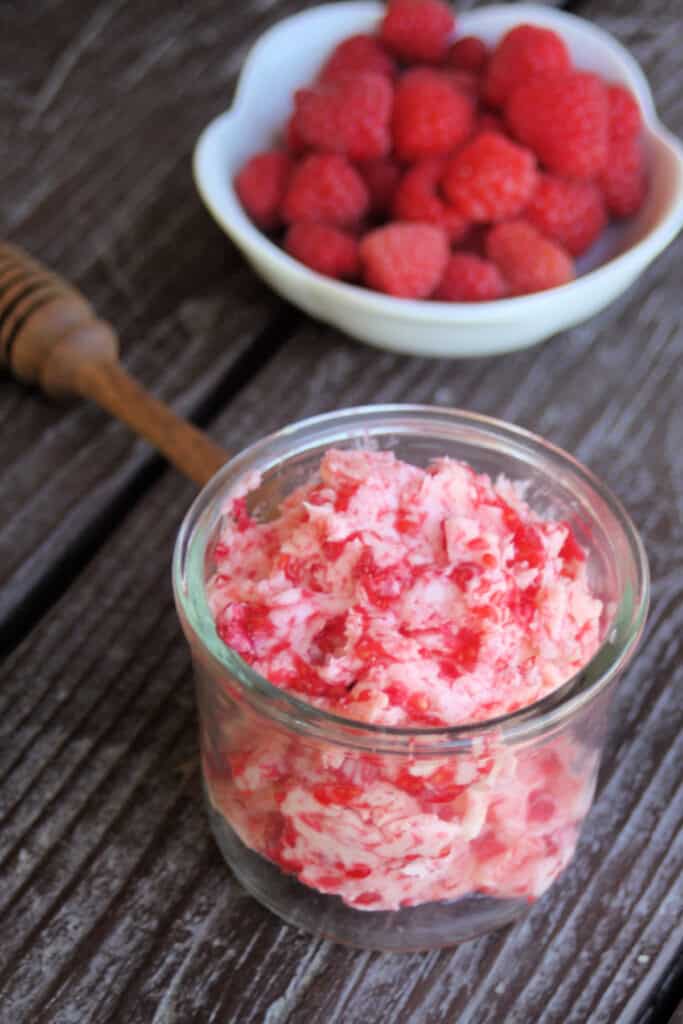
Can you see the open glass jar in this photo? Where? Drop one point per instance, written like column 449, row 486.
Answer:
column 393, row 838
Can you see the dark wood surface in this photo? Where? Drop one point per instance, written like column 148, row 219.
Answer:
column 114, row 902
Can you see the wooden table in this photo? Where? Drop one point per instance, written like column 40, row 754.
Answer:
column 114, row 902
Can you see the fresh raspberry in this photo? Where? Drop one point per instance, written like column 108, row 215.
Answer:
column 624, row 179
column 417, row 199
column 465, row 82
column 490, row 179
column 569, row 212
column 325, row 187
column 474, row 241
column 625, row 119
column 323, row 248
column 381, row 177
column 417, row 29
column 467, row 278
column 430, row 117
column 528, row 261
column 523, row 53
column 261, row 187
column 564, row 118
column 358, row 53
column 405, row 260
column 468, row 54
column 294, row 143
column 348, row 114
column 488, row 122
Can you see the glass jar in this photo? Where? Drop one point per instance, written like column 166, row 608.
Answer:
column 395, row 838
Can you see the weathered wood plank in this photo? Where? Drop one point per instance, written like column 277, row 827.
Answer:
column 114, row 901
column 109, row 660
column 114, row 209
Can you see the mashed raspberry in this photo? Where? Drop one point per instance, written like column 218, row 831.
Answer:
column 399, row 596
column 406, row 597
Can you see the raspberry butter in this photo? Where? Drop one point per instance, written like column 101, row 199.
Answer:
column 398, row 596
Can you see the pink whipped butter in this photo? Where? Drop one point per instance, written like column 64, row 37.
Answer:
column 399, row 596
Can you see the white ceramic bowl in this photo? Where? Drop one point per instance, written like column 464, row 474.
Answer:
column 288, row 56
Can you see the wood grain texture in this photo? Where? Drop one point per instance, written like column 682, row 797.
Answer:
column 80, row 86
column 114, row 901
column 52, row 338
column 103, row 829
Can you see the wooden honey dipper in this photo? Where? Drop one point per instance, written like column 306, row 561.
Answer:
column 51, row 336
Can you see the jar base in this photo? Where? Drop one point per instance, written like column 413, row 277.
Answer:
column 409, row 930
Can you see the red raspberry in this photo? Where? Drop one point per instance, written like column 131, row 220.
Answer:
column 349, row 114
column 417, row 29
column 490, row 179
column 523, row 53
column 358, row 53
column 569, row 212
column 468, row 54
column 323, row 248
column 465, row 82
column 625, row 120
column 325, row 187
column 467, row 278
column 475, row 240
column 406, row 260
column 417, row 199
column 488, row 122
column 528, row 261
column 261, row 187
column 564, row 119
column 430, row 117
column 624, row 179
column 293, row 142
column 381, row 177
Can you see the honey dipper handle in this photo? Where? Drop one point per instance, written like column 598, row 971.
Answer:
column 50, row 336
column 189, row 449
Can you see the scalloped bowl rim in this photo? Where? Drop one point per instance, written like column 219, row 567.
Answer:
column 237, row 224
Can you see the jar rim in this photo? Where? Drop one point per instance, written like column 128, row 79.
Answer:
column 618, row 646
